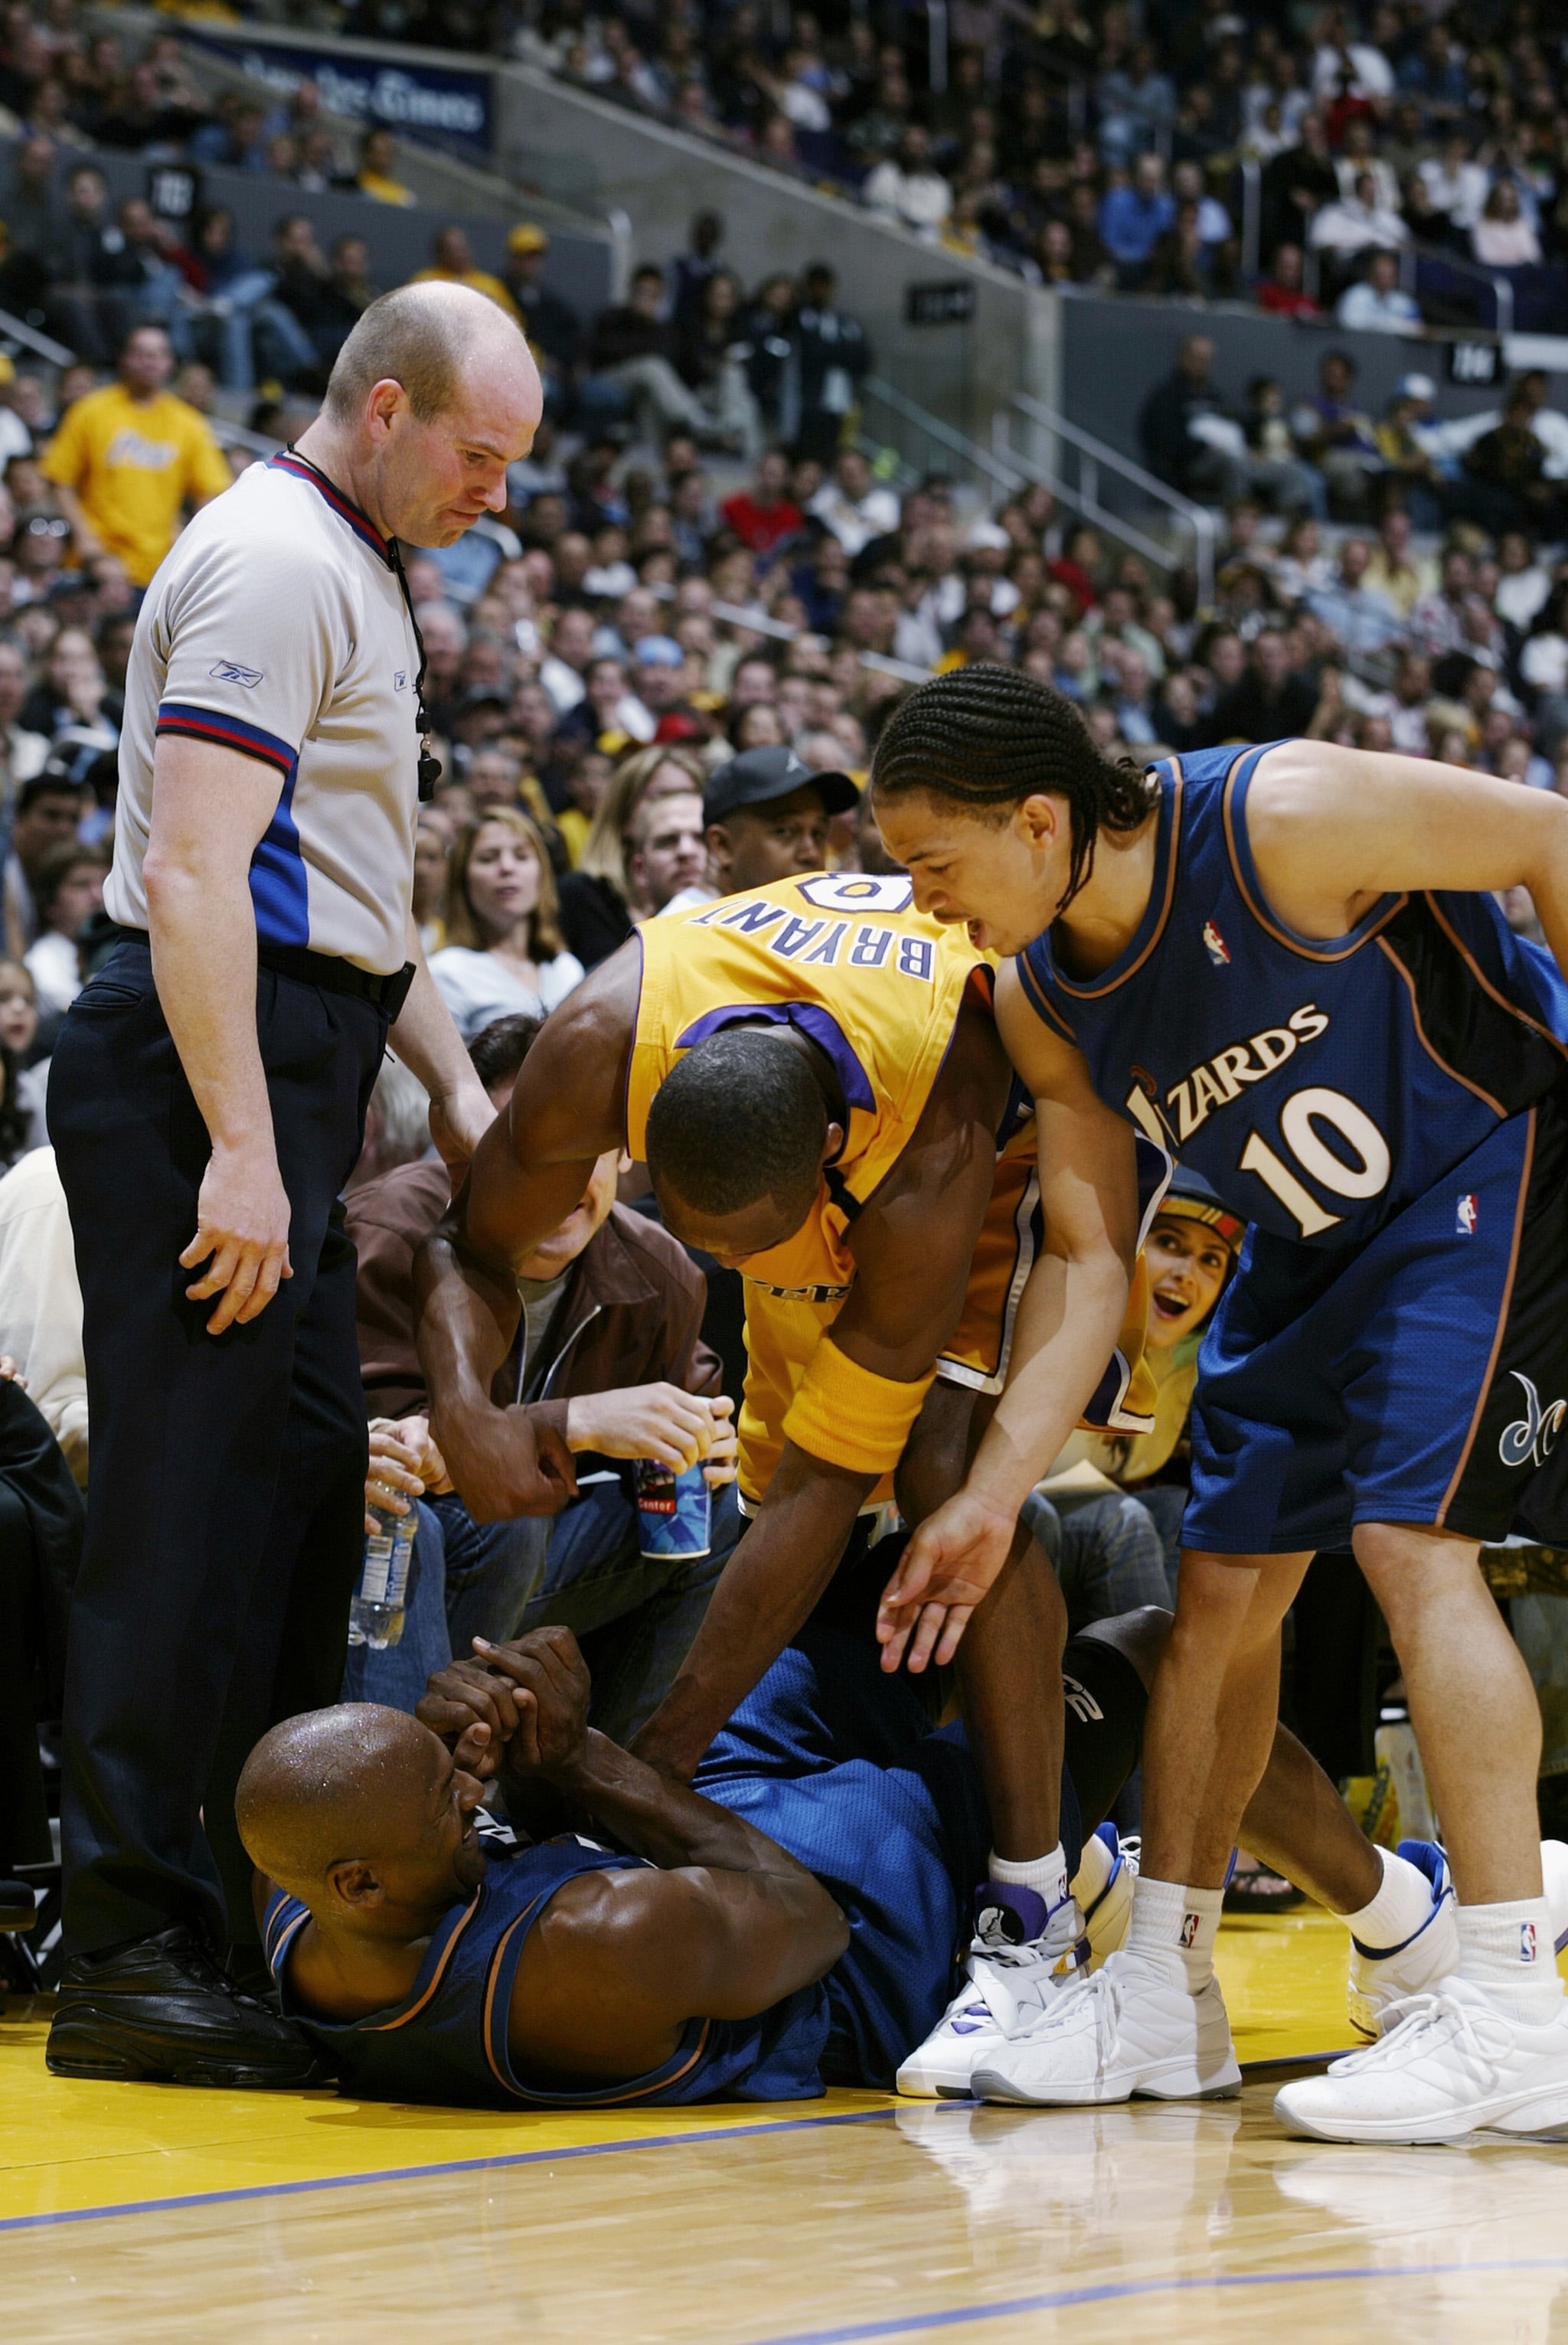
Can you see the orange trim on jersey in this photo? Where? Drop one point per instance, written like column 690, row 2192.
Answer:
column 505, row 1940
column 386, row 2025
column 1485, row 1393
column 654, row 2084
column 1097, row 992
column 1436, row 1055
column 1044, row 1008
column 284, row 1939
column 1300, row 946
column 1485, row 983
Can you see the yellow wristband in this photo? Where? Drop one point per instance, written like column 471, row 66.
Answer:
column 851, row 1417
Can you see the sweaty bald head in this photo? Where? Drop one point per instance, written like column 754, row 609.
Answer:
column 423, row 337
column 335, row 1785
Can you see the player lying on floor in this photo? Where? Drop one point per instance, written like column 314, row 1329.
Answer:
column 789, row 1922
column 813, row 1073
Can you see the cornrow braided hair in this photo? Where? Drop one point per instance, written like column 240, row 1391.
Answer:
column 988, row 735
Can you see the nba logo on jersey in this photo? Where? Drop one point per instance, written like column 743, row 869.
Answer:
column 1527, row 1941
column 1188, row 1928
column 1217, row 950
column 1466, row 1216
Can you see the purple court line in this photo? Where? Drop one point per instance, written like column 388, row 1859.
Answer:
column 862, row 2332
column 440, row 2166
column 504, row 2159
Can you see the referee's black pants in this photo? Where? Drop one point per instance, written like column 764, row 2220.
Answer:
column 225, row 1507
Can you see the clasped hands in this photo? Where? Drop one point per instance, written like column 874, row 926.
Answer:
column 519, row 1710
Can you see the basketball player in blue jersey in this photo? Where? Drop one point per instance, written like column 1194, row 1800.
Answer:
column 790, row 1921
column 1288, row 961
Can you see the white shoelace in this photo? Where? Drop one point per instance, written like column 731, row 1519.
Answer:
column 1416, row 2017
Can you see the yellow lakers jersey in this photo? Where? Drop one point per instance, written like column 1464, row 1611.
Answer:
column 846, row 959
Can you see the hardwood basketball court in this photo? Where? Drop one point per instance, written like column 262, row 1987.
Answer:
column 161, row 2217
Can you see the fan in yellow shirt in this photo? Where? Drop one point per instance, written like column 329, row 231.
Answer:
column 378, row 153
column 453, row 264
column 128, row 459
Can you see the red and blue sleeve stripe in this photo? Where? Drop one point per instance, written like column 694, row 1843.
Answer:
column 228, row 733
column 280, row 889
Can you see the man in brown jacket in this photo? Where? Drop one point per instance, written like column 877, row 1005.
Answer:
column 609, row 1351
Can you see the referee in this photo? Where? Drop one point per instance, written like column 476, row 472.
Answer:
column 207, row 1102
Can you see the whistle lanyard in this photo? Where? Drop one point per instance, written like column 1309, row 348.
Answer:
column 428, row 765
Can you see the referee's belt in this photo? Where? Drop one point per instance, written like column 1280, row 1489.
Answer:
column 332, row 974
column 798, row 1294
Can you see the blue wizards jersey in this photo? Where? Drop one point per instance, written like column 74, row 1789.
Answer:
column 1319, row 1084
column 446, row 2041
column 837, row 1761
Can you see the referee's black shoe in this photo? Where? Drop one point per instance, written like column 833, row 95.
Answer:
column 161, row 2011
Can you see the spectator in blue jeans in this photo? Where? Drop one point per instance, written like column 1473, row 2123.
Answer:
column 608, row 1347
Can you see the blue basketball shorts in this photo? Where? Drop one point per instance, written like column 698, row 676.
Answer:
column 1422, row 1378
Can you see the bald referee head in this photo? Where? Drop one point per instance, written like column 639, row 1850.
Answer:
column 434, row 394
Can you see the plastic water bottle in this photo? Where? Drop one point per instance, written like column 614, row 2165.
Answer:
column 376, row 1616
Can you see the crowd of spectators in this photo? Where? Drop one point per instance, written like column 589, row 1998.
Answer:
column 1106, row 145
column 1401, row 160
column 66, row 89
column 1401, row 166
column 642, row 612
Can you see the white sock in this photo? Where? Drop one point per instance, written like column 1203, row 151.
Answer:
column 1093, row 1872
column 1506, row 1950
column 1174, row 1929
column 1403, row 1903
column 1046, row 1875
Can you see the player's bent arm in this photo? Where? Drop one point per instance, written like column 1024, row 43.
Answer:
column 530, row 1169
column 567, row 1108
column 847, row 1426
column 1069, row 1318
column 1070, row 1311
column 1331, row 829
column 620, row 1963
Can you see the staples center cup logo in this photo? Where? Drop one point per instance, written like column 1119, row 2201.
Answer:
column 1530, row 1438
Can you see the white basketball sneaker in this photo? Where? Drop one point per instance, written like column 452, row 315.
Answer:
column 1106, row 1916
column 1114, row 2034
column 1017, row 1957
column 1384, row 1976
column 1451, row 2064
column 1378, row 1980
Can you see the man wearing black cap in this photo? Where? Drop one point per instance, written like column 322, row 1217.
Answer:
column 766, row 817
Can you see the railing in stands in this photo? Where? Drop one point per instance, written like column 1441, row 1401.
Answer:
column 29, row 338
column 1050, row 434
column 924, row 443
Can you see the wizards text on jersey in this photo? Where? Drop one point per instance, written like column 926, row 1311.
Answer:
column 1318, row 1084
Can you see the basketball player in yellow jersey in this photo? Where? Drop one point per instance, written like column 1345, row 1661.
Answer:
column 813, row 1073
